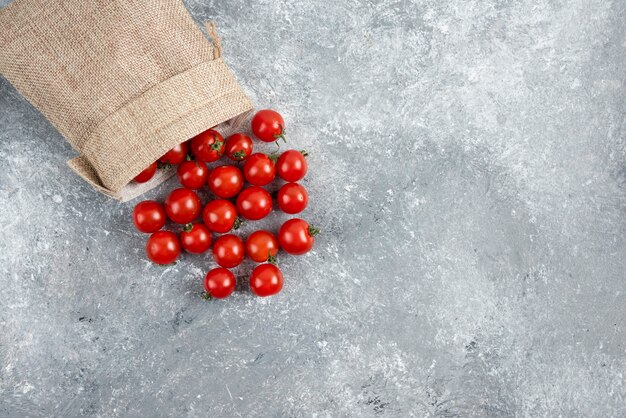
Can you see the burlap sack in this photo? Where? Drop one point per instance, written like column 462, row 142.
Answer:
column 124, row 81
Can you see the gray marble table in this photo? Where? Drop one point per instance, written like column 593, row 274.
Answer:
column 468, row 170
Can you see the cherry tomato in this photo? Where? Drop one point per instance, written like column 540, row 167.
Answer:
column 220, row 216
column 261, row 246
column 192, row 174
column 226, row 181
column 292, row 198
column 149, row 216
column 266, row 280
column 238, row 147
column 259, row 169
column 268, row 125
column 254, row 203
column 219, row 283
column 196, row 238
column 296, row 236
column 163, row 247
column 291, row 165
column 208, row 146
column 228, row 251
column 176, row 155
column 146, row 174
column 182, row 206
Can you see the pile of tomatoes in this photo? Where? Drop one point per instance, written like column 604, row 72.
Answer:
column 235, row 203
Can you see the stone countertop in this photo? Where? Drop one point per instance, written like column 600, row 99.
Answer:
column 467, row 170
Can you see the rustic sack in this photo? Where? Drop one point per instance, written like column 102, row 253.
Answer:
column 124, row 81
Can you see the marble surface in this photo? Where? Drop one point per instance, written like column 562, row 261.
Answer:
column 468, row 171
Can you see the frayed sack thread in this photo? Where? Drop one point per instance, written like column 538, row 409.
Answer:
column 124, row 82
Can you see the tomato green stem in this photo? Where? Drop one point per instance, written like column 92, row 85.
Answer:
column 207, row 296
column 272, row 259
column 313, row 231
column 238, row 223
column 281, row 135
column 239, row 155
column 304, row 153
column 188, row 227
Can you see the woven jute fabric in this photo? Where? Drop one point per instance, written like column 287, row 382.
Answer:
column 124, row 81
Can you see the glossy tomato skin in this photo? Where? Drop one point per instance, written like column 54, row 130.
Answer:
column 149, row 216
column 292, row 198
column 192, row 174
column 146, row 174
column 261, row 245
column 268, row 125
column 291, row 165
column 266, row 280
column 296, row 236
column 228, row 251
column 238, row 147
column 225, row 181
column 196, row 239
column 208, row 146
column 254, row 203
column 219, row 215
column 220, row 283
column 176, row 155
column 163, row 247
column 259, row 169
column 182, row 206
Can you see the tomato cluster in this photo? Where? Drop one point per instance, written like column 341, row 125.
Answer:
column 235, row 203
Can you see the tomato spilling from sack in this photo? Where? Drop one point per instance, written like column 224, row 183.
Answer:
column 197, row 227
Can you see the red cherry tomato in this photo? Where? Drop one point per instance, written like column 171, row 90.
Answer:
column 292, row 198
column 192, row 174
column 238, row 147
column 296, row 236
column 176, row 155
column 219, row 283
column 163, row 247
column 228, row 251
column 196, row 238
column 254, row 203
column 259, row 169
column 182, row 206
column 291, row 165
column 268, row 125
column 226, row 181
column 208, row 146
column 146, row 174
column 266, row 280
column 261, row 246
column 149, row 216
column 220, row 216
